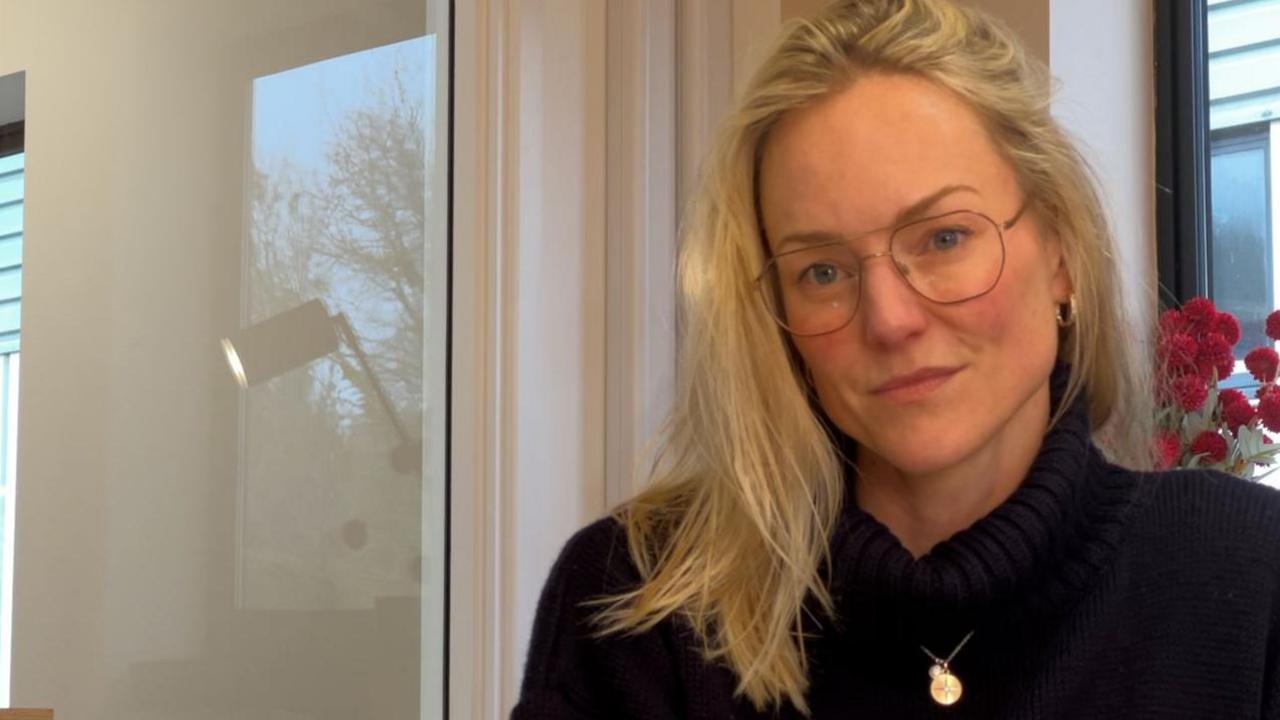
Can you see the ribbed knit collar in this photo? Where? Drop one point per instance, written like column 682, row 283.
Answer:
column 1035, row 550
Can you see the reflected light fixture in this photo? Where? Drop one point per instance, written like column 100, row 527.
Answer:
column 281, row 343
column 300, row 336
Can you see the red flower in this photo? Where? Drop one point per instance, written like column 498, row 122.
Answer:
column 1229, row 327
column 1168, row 449
column 1269, row 411
column 1273, row 325
column 1236, row 412
column 1200, row 313
column 1199, row 308
column 1211, row 445
column 1214, row 354
column 1226, row 365
column 1262, row 362
column 1190, row 392
column 1172, row 321
column 1178, row 352
column 1231, row 396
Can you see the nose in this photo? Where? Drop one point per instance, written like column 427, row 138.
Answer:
column 891, row 311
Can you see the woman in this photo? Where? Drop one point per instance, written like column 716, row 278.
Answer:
column 878, row 495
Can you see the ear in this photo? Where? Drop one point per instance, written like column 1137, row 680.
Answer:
column 1060, row 284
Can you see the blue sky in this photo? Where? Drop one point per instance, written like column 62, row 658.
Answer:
column 296, row 112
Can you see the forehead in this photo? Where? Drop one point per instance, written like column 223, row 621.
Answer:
column 851, row 161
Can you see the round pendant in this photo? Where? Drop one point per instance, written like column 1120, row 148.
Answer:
column 945, row 688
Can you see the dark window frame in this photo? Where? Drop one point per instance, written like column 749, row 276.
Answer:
column 12, row 137
column 1183, row 209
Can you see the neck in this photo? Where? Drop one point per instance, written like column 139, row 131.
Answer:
column 924, row 509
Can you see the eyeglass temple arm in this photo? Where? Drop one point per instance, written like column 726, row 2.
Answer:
column 1026, row 203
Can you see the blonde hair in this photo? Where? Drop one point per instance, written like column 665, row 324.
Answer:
column 732, row 532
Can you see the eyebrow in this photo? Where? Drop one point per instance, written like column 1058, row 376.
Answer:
column 911, row 212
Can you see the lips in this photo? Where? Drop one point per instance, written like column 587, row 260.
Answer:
column 922, row 378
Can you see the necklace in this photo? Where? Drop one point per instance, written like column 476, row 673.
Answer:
column 945, row 688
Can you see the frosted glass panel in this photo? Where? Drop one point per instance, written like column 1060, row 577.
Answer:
column 336, row 213
column 233, row 314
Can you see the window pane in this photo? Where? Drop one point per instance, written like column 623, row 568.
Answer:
column 1243, row 65
column 336, row 214
column 1240, row 243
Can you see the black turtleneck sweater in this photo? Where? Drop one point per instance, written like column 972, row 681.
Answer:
column 1092, row 592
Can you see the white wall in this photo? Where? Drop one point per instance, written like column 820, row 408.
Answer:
column 1101, row 53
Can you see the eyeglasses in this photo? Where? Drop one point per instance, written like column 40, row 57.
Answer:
column 947, row 259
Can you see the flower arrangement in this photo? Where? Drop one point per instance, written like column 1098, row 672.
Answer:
column 1198, row 424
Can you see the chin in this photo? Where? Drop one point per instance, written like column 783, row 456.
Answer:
column 923, row 453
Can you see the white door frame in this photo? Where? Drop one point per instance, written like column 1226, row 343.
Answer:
column 484, row 151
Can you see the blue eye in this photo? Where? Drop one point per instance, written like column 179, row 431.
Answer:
column 821, row 273
column 948, row 238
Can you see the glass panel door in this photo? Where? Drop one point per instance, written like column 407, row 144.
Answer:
column 232, row 429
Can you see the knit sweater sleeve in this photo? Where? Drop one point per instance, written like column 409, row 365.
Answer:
column 571, row 671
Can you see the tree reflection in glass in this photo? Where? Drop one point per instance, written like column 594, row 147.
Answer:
column 337, row 199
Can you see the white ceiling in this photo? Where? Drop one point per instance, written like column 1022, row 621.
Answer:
column 12, row 97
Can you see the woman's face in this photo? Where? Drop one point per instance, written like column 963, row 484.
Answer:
column 850, row 164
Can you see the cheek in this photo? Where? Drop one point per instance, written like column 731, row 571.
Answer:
column 1021, row 303
column 826, row 354
column 992, row 316
column 829, row 359
column 1013, row 324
